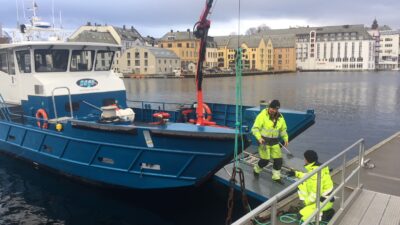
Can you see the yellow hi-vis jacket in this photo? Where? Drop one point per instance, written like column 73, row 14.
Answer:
column 308, row 189
column 264, row 127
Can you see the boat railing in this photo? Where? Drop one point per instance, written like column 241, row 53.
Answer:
column 54, row 102
column 5, row 113
column 272, row 203
column 159, row 105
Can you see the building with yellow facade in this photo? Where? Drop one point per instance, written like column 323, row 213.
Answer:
column 284, row 53
column 257, row 52
column 186, row 47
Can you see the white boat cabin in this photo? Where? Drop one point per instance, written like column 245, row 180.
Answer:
column 42, row 70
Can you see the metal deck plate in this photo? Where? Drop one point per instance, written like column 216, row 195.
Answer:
column 260, row 187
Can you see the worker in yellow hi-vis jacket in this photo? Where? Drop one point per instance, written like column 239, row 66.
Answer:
column 307, row 191
column 268, row 127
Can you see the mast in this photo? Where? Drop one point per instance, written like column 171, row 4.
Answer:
column 201, row 31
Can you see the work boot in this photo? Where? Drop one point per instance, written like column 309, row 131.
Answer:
column 257, row 170
column 279, row 181
column 328, row 214
column 276, row 176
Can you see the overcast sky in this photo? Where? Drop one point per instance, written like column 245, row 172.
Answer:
column 156, row 17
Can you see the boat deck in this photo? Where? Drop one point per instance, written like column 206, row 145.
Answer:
column 259, row 187
column 378, row 202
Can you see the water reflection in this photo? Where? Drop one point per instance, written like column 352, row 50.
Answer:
column 349, row 105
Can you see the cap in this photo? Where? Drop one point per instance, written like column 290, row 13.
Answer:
column 311, row 156
column 275, row 104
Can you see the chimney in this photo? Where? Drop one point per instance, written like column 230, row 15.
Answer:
column 132, row 29
column 172, row 31
column 123, row 27
column 88, row 24
column 188, row 30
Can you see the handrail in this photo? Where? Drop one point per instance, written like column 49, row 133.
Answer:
column 272, row 202
column 54, row 102
column 4, row 109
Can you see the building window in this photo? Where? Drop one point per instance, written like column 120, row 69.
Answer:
column 137, row 55
column 137, row 62
column 179, row 45
column 146, row 62
column 187, row 45
column 169, row 45
column 129, row 63
column 146, row 55
column 128, row 55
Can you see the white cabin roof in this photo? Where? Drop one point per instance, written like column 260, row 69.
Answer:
column 56, row 43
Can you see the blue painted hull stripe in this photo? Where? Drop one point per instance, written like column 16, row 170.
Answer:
column 113, row 145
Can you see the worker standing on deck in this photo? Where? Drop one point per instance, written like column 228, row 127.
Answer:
column 307, row 191
column 268, row 127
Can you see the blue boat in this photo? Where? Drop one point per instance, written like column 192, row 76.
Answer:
column 63, row 108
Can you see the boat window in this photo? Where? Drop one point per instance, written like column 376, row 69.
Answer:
column 24, row 61
column 82, row 60
column 47, row 60
column 104, row 60
column 3, row 62
column 11, row 64
column 7, row 62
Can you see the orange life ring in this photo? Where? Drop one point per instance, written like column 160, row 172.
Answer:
column 42, row 115
column 208, row 111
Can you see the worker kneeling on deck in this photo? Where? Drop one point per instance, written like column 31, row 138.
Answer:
column 307, row 191
column 268, row 127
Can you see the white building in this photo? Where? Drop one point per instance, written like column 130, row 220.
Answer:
column 145, row 60
column 389, row 52
column 125, row 37
column 347, row 47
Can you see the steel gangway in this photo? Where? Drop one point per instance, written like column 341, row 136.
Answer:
column 271, row 206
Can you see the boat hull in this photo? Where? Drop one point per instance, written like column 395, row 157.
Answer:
column 114, row 164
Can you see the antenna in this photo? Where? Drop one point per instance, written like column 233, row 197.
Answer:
column 16, row 4
column 34, row 6
column 60, row 20
column 23, row 10
column 52, row 11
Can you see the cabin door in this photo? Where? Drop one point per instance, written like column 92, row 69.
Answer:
column 14, row 89
column 8, row 86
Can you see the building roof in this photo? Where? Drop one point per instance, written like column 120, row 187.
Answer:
column 94, row 36
column 130, row 34
column 282, row 41
column 178, row 35
column 161, row 52
column 231, row 41
column 222, row 41
column 358, row 28
column 390, row 32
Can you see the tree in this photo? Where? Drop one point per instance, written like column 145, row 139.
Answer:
column 256, row 30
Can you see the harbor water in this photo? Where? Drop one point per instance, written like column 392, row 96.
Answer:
column 348, row 106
